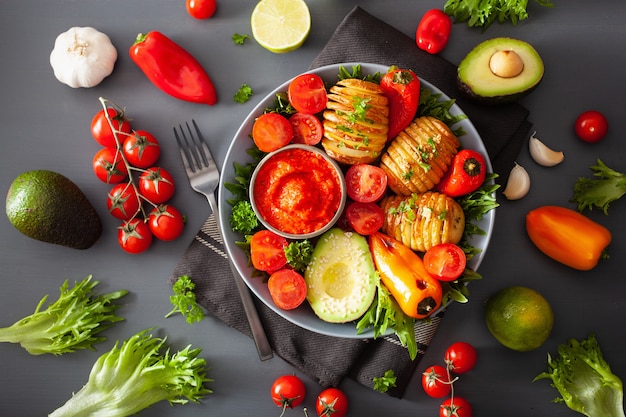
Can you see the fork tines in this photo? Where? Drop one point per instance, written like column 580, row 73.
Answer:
column 193, row 148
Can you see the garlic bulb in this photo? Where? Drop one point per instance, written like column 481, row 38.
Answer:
column 518, row 184
column 542, row 154
column 82, row 57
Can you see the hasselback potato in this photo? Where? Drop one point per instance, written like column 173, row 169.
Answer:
column 356, row 121
column 417, row 158
column 421, row 221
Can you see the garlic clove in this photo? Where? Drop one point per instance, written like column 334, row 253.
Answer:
column 542, row 154
column 518, row 184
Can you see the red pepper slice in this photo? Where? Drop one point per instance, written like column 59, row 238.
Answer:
column 402, row 88
column 172, row 69
column 433, row 31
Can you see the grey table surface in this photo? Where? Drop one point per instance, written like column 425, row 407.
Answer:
column 45, row 125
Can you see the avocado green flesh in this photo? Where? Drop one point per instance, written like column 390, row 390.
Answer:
column 341, row 279
column 48, row 207
column 476, row 80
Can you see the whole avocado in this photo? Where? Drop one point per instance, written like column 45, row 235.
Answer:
column 49, row 207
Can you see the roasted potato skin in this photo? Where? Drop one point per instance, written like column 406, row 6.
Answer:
column 421, row 221
column 416, row 159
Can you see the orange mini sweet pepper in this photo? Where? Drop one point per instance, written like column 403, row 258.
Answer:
column 402, row 271
column 567, row 236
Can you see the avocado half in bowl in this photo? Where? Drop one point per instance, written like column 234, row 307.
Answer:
column 500, row 70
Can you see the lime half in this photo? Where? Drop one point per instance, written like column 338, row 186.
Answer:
column 280, row 25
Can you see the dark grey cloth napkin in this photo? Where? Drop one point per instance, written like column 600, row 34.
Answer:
column 359, row 38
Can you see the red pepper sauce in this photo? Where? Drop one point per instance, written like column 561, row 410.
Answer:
column 297, row 191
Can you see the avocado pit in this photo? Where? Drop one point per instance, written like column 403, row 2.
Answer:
column 506, row 64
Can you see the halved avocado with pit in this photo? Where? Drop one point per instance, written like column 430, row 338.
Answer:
column 500, row 70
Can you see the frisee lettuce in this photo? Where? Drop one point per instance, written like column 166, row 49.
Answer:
column 482, row 13
column 136, row 375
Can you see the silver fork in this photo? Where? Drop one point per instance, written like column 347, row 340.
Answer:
column 204, row 178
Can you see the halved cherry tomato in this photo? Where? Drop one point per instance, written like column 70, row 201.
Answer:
column 591, row 126
column 267, row 251
column 365, row 218
column 166, row 222
column 460, row 357
column 445, row 261
column 436, row 381
column 271, row 131
column 101, row 130
column 287, row 288
column 288, row 391
column 157, row 185
column 123, row 201
column 109, row 166
column 455, row 407
column 201, row 9
column 365, row 183
column 134, row 236
column 141, row 149
column 332, row 402
column 466, row 174
column 307, row 93
column 307, row 128
column 402, row 89
column 433, row 31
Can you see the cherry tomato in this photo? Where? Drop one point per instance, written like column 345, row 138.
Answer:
column 201, row 9
column 402, row 89
column 287, row 288
column 331, row 402
column 466, row 174
column 460, row 357
column 364, row 218
column 433, row 31
column 591, row 126
column 288, row 391
column 436, row 381
column 141, row 149
column 109, row 166
column 156, row 185
column 166, row 222
column 455, row 407
column 307, row 128
column 271, row 131
column 267, row 251
column 101, row 130
column 366, row 183
column 307, row 93
column 134, row 236
column 445, row 261
column 123, row 201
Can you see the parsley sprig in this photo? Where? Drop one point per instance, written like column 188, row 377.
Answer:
column 184, row 300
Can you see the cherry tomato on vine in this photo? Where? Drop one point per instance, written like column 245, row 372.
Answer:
column 288, row 391
column 307, row 128
column 101, row 130
column 365, row 183
column 591, row 126
column 445, row 261
column 307, row 93
column 109, row 166
column 157, row 185
column 267, row 251
column 141, row 149
column 436, row 381
column 166, row 222
column 123, row 201
column 455, row 407
column 331, row 402
column 365, row 218
column 134, row 236
column 201, row 9
column 460, row 357
column 271, row 131
column 287, row 288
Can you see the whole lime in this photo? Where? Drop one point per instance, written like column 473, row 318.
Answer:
column 519, row 317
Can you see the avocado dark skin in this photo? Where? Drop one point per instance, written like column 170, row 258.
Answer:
column 49, row 207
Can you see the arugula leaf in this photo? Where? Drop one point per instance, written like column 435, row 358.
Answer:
column 184, row 300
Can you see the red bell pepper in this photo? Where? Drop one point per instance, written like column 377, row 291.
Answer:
column 433, row 31
column 402, row 89
column 466, row 174
column 172, row 69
